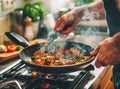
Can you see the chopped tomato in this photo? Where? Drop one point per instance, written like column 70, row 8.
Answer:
column 46, row 76
column 41, row 63
column 62, row 62
column 72, row 49
column 34, row 73
column 67, row 51
column 71, row 62
column 76, row 52
column 11, row 48
column 60, row 49
column 51, row 64
column 86, row 57
column 37, row 61
column 45, row 86
column 31, row 62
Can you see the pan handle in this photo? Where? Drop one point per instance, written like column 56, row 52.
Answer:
column 17, row 39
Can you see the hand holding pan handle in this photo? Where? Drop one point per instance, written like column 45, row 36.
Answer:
column 16, row 38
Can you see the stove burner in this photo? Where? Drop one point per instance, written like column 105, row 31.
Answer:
column 12, row 84
column 20, row 78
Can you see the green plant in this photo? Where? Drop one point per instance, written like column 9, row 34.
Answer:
column 34, row 10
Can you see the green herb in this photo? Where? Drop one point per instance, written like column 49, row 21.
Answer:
column 18, row 47
column 44, row 58
column 83, row 59
column 56, row 63
column 32, row 57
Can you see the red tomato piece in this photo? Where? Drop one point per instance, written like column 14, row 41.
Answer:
column 11, row 48
column 62, row 62
column 71, row 62
column 45, row 86
column 34, row 73
column 37, row 61
column 72, row 49
column 60, row 49
column 67, row 51
column 42, row 63
column 76, row 52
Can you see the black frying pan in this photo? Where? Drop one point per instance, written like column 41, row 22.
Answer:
column 27, row 53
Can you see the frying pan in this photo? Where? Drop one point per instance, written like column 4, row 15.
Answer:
column 27, row 53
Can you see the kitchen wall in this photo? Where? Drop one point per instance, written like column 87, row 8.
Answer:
column 18, row 3
column 4, row 16
column 52, row 6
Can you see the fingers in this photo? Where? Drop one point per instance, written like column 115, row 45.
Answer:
column 70, row 28
column 102, row 60
column 59, row 24
column 97, row 62
column 66, row 23
column 95, row 51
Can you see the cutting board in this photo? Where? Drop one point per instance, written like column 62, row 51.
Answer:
column 8, row 56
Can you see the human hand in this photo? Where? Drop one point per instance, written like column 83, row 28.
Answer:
column 66, row 23
column 107, row 53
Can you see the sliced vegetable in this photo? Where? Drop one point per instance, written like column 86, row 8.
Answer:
column 62, row 62
column 37, row 61
column 3, row 48
column 11, row 48
column 34, row 73
column 86, row 57
column 17, row 47
column 45, row 86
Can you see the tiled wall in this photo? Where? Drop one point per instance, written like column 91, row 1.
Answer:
column 50, row 5
column 4, row 14
column 18, row 3
column 4, row 24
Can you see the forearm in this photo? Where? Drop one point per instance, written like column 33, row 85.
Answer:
column 95, row 6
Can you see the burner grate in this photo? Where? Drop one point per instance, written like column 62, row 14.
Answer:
column 22, row 73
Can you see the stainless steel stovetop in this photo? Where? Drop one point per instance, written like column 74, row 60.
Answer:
column 88, row 81
column 16, row 75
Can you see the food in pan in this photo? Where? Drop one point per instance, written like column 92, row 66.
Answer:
column 60, row 57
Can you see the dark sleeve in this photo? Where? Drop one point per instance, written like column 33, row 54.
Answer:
column 112, row 16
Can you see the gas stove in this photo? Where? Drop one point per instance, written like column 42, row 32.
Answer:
column 20, row 76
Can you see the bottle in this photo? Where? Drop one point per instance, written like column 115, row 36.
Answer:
column 29, row 35
column 35, row 26
column 42, row 29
